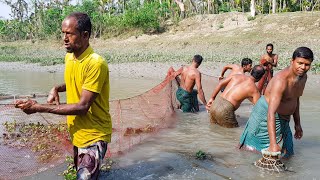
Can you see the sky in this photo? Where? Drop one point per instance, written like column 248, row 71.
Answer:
column 4, row 11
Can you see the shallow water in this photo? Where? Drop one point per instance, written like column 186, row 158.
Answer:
column 171, row 153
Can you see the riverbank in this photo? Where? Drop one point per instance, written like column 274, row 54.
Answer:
column 132, row 70
column 223, row 38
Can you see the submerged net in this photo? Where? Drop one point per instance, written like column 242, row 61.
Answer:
column 270, row 162
column 33, row 143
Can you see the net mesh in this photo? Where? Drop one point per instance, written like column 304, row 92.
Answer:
column 33, row 143
column 270, row 163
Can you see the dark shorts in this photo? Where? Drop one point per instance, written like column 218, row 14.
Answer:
column 88, row 160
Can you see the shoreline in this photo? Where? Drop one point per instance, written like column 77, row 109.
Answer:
column 153, row 70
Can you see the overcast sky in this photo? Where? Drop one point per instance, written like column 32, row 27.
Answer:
column 4, row 11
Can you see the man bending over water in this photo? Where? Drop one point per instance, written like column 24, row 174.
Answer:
column 238, row 88
column 268, row 125
column 246, row 66
column 190, row 76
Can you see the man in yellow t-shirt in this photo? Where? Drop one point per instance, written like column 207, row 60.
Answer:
column 87, row 87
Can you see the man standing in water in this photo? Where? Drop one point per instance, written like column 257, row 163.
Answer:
column 238, row 88
column 87, row 89
column 268, row 125
column 190, row 76
column 268, row 61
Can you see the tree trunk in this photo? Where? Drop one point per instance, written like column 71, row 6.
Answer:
column 252, row 8
column 274, row 6
column 242, row 4
column 181, row 6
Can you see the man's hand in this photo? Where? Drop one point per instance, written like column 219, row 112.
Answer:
column 209, row 103
column 299, row 133
column 220, row 78
column 28, row 106
column 274, row 148
column 53, row 96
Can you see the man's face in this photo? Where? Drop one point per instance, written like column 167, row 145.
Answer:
column 248, row 68
column 73, row 40
column 269, row 49
column 300, row 66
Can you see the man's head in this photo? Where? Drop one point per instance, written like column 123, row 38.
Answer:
column 269, row 48
column 246, row 64
column 76, row 29
column 197, row 59
column 301, row 60
column 257, row 72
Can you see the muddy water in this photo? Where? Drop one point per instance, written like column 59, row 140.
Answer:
column 171, row 154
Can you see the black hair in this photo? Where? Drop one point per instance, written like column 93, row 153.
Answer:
column 257, row 72
column 303, row 52
column 83, row 21
column 198, row 59
column 269, row 45
column 246, row 61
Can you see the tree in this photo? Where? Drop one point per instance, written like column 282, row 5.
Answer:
column 274, row 6
column 252, row 8
column 19, row 9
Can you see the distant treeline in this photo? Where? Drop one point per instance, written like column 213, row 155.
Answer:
column 42, row 19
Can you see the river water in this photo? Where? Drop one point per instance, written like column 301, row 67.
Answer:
column 171, row 154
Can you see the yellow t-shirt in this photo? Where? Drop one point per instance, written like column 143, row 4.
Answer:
column 90, row 72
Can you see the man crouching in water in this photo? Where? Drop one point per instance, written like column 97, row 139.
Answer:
column 190, row 76
column 238, row 88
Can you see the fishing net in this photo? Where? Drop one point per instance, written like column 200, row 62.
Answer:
column 270, row 161
column 36, row 142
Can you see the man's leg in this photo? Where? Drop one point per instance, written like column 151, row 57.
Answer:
column 89, row 159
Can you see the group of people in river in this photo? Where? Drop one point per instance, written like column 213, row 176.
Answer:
column 275, row 99
column 87, row 89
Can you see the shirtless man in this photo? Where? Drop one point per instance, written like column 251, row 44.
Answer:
column 238, row 88
column 268, row 61
column 268, row 125
column 190, row 76
column 246, row 66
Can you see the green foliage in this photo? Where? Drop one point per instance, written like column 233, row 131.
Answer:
column 201, row 155
column 316, row 68
column 70, row 173
column 146, row 17
column 52, row 22
column 220, row 26
column 251, row 18
column 224, row 7
column 114, row 18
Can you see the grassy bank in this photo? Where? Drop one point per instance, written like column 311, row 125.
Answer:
column 218, row 38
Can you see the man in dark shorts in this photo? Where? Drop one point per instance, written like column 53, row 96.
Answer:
column 190, row 76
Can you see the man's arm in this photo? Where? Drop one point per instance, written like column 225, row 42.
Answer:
column 275, row 61
column 54, row 94
column 221, row 84
column 225, row 68
column 297, row 125
column 255, row 96
column 275, row 97
column 200, row 90
column 80, row 108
